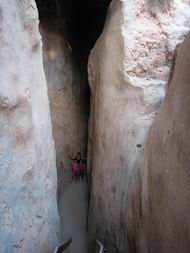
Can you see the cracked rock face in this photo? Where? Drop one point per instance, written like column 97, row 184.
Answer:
column 128, row 70
column 28, row 210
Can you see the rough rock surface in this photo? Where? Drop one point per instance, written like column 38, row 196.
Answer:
column 66, row 91
column 66, row 86
column 128, row 70
column 28, row 210
column 159, row 217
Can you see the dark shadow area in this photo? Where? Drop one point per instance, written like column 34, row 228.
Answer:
column 82, row 21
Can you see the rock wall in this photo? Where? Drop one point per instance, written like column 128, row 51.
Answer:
column 69, row 106
column 66, row 89
column 159, row 220
column 128, row 70
column 28, row 210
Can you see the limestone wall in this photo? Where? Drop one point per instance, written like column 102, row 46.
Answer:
column 128, row 70
column 28, row 209
column 159, row 215
column 66, row 89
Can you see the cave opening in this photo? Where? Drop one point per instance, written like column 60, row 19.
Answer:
column 69, row 30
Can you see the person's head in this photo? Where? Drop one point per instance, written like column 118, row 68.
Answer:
column 78, row 155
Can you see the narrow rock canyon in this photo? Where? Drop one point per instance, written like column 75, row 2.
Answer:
column 108, row 79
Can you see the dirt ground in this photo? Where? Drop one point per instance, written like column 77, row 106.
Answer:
column 73, row 209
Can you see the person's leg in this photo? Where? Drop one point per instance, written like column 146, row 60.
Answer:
column 72, row 177
column 75, row 177
column 78, row 175
column 78, row 178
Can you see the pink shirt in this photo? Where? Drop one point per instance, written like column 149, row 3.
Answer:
column 82, row 167
column 75, row 167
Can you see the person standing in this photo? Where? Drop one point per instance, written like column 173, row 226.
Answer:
column 76, row 166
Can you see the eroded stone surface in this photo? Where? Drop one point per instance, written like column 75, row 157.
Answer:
column 159, row 210
column 66, row 90
column 28, row 210
column 69, row 113
column 128, row 70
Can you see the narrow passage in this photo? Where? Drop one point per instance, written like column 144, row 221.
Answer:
column 69, row 30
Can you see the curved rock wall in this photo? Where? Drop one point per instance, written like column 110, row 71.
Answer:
column 66, row 89
column 28, row 210
column 159, row 220
column 128, row 70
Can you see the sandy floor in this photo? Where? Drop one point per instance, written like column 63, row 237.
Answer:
column 73, row 206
